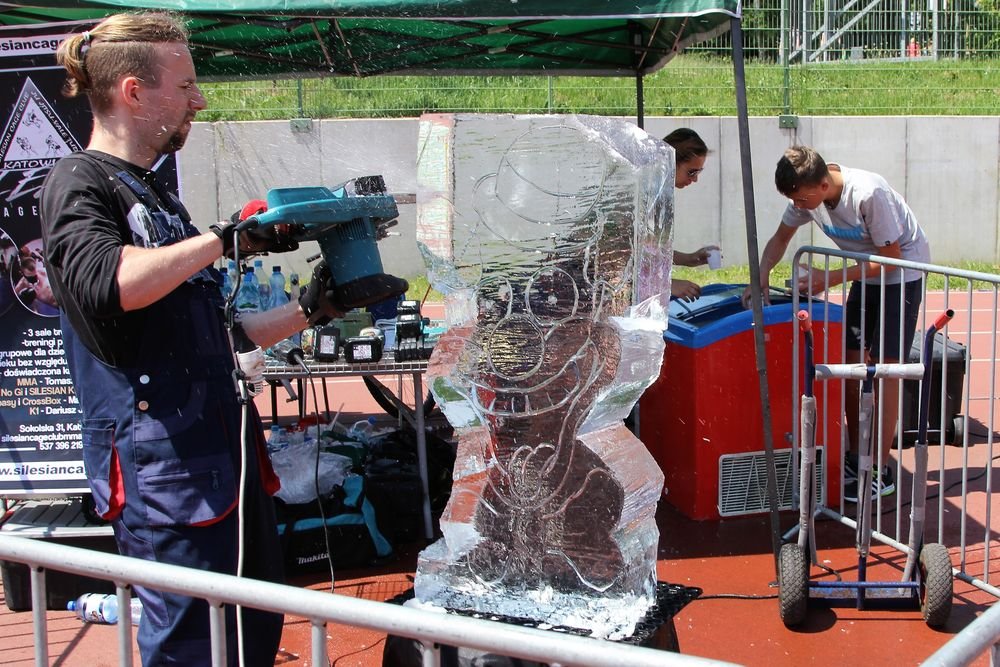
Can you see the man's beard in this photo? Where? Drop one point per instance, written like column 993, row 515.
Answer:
column 174, row 142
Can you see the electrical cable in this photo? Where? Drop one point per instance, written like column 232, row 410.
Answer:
column 293, row 355
column 736, row 596
column 240, row 545
column 319, row 501
column 932, row 496
column 229, row 315
column 427, row 293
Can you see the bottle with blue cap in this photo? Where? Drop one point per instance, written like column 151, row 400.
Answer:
column 227, row 282
column 263, row 284
column 362, row 430
column 102, row 608
column 277, row 289
column 248, row 298
column 278, row 439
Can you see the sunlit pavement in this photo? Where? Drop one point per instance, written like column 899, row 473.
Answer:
column 736, row 618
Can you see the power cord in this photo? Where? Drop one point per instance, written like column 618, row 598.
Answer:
column 736, row 596
column 319, row 499
column 932, row 496
column 294, row 355
column 229, row 313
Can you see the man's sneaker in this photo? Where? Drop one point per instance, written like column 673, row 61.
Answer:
column 882, row 485
column 850, row 468
column 850, row 479
column 886, row 482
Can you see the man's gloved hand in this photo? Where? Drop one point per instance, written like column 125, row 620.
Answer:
column 273, row 238
column 256, row 241
column 318, row 300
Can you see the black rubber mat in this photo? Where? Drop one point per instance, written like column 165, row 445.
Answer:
column 654, row 630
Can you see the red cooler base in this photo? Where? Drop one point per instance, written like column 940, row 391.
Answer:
column 702, row 419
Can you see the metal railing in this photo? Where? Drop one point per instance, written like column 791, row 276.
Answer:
column 975, row 298
column 981, row 636
column 432, row 629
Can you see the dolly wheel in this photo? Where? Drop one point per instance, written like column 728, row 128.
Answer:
column 793, row 583
column 956, row 430
column 936, row 584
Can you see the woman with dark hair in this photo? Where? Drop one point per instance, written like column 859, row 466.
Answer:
column 690, row 154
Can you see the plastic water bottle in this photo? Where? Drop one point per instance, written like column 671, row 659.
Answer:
column 278, row 439
column 227, row 283
column 248, row 298
column 361, row 430
column 277, row 285
column 102, row 608
column 263, row 284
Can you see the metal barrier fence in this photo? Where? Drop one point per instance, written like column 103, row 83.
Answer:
column 846, row 57
column 432, row 629
column 979, row 637
column 965, row 407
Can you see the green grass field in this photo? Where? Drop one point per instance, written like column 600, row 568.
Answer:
column 690, row 85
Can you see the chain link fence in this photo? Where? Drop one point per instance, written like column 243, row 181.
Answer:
column 807, row 57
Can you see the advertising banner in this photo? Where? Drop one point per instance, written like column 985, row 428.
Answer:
column 40, row 443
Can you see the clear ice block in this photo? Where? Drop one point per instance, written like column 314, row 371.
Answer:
column 550, row 237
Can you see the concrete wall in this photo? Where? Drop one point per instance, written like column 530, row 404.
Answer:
column 946, row 167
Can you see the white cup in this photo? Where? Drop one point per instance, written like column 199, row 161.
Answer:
column 715, row 258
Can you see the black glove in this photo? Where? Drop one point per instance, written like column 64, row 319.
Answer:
column 318, row 301
column 273, row 238
column 259, row 240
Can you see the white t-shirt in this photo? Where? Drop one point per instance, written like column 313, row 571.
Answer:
column 869, row 215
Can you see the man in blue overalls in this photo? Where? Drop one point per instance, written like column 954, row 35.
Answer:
column 151, row 359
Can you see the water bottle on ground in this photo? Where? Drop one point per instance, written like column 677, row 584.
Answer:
column 277, row 284
column 278, row 439
column 362, row 430
column 102, row 608
column 263, row 283
column 248, row 298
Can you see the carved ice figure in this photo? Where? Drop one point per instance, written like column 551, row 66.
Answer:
column 550, row 238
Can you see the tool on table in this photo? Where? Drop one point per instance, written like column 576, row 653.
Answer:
column 347, row 221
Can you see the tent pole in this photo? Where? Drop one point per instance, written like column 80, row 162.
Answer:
column 755, row 289
column 639, row 102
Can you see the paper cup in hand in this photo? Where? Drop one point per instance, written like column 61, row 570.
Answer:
column 714, row 258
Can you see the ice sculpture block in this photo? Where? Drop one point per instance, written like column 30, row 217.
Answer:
column 550, row 237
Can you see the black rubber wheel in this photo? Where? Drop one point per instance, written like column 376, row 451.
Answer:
column 793, row 584
column 936, row 584
column 956, row 430
column 384, row 398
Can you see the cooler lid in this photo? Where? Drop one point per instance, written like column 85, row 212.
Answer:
column 719, row 313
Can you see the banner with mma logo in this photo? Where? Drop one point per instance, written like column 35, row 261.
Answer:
column 40, row 444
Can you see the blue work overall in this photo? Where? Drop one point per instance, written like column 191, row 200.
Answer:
column 161, row 447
